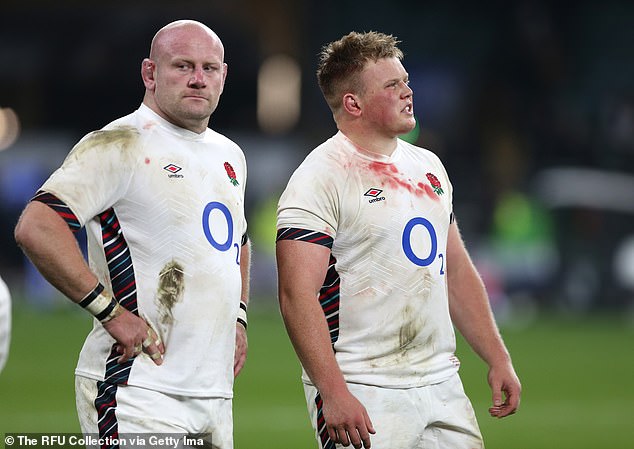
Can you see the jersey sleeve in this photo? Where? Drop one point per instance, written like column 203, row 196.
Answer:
column 96, row 173
column 310, row 200
column 244, row 224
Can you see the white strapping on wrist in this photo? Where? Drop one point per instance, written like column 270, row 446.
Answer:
column 242, row 314
column 100, row 304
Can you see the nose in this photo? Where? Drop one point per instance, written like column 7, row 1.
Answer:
column 197, row 78
column 407, row 91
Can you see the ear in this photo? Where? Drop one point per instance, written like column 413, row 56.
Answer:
column 225, row 69
column 351, row 105
column 147, row 73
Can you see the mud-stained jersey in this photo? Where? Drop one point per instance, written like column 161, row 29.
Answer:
column 163, row 209
column 386, row 220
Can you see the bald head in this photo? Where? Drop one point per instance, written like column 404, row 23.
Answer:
column 173, row 32
column 185, row 73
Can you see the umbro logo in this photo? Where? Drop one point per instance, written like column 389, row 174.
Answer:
column 173, row 169
column 374, row 193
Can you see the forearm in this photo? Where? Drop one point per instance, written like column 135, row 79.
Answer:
column 469, row 303
column 50, row 245
column 472, row 316
column 240, row 355
column 301, row 269
column 245, row 271
column 309, row 334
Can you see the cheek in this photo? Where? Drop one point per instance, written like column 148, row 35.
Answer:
column 383, row 109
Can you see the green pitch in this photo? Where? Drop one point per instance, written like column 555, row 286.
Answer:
column 577, row 377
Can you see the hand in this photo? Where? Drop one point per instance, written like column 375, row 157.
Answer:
column 347, row 421
column 504, row 381
column 134, row 336
column 240, row 356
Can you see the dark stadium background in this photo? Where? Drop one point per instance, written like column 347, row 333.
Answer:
column 530, row 104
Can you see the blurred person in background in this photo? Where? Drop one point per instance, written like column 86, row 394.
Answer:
column 5, row 323
column 162, row 198
column 373, row 272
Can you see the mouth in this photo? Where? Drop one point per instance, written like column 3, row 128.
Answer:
column 409, row 109
column 195, row 97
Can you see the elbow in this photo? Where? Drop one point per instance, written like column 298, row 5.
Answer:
column 282, row 302
column 30, row 227
column 286, row 303
column 23, row 233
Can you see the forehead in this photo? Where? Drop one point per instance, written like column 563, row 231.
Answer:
column 383, row 70
column 190, row 43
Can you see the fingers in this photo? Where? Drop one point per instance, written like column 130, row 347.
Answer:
column 497, row 409
column 151, row 345
column 506, row 390
column 508, row 407
column 127, row 352
column 358, row 437
column 350, row 437
column 240, row 355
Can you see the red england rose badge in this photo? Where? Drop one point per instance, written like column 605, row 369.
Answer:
column 231, row 173
column 435, row 183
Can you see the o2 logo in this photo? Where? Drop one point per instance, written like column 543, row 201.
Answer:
column 433, row 251
column 220, row 246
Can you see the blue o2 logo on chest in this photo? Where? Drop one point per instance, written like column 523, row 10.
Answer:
column 423, row 229
column 220, row 234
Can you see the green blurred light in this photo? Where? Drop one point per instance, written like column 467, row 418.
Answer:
column 412, row 136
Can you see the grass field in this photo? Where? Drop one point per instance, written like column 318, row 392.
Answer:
column 577, row 376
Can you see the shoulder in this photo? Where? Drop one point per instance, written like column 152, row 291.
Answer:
column 5, row 296
column 227, row 146
column 419, row 152
column 216, row 138
column 121, row 133
column 325, row 160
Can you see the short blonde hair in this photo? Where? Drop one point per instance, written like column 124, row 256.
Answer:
column 342, row 61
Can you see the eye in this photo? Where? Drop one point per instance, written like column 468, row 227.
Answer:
column 211, row 68
column 183, row 66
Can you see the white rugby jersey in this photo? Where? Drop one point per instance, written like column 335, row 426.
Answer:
column 5, row 323
column 385, row 294
column 164, row 214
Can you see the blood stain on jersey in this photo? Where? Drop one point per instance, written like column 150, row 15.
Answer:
column 391, row 178
column 170, row 290
column 380, row 167
column 427, row 189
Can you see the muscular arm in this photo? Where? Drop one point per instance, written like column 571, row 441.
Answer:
column 51, row 246
column 48, row 242
column 240, row 356
column 302, row 269
column 472, row 316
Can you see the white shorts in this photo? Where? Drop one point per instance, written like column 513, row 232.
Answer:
column 142, row 415
column 437, row 416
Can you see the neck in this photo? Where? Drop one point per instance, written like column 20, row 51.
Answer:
column 372, row 143
column 194, row 125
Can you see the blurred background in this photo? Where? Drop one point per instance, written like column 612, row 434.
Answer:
column 530, row 105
